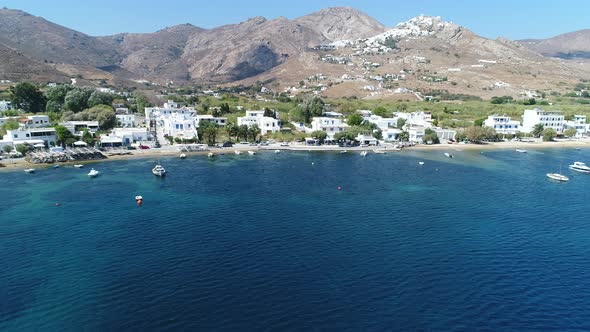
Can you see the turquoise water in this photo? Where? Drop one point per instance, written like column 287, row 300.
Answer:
column 268, row 242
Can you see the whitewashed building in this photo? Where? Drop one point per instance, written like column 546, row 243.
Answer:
column 178, row 125
column 129, row 136
column 169, row 108
column 578, row 123
column 32, row 136
column 126, row 120
column 5, row 105
column 391, row 134
column 416, row 133
column 266, row 124
column 502, row 124
column 549, row 119
column 329, row 125
column 220, row 121
column 422, row 119
column 77, row 127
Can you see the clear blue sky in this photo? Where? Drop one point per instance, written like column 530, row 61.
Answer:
column 515, row 19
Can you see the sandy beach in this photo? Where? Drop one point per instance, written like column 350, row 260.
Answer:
column 11, row 164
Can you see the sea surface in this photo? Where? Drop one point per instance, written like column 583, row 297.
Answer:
column 482, row 241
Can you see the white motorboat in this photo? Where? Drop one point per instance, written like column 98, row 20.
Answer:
column 344, row 151
column 521, row 150
column 210, row 155
column 420, row 163
column 250, row 152
column 93, row 173
column 29, row 170
column 558, row 177
column 364, row 153
column 277, row 151
column 238, row 152
column 448, row 155
column 379, row 151
column 182, row 156
column 579, row 166
column 78, row 165
column 159, row 170
column 138, row 198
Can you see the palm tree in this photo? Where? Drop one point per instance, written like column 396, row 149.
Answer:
column 404, row 136
column 232, row 130
column 254, row 131
column 538, row 130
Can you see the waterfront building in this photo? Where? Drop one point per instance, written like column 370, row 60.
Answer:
column 220, row 121
column 32, row 136
column 329, row 125
column 126, row 120
column 77, row 127
column 266, row 124
column 502, row 124
column 549, row 119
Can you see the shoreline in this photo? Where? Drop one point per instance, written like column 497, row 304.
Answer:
column 11, row 164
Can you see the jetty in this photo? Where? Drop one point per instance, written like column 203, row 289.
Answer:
column 69, row 154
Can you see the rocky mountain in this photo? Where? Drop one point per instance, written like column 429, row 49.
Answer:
column 336, row 51
column 341, row 23
column 572, row 45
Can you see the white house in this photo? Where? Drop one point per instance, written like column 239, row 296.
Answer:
column 178, row 125
column 579, row 123
column 416, row 133
column 129, row 136
column 367, row 140
column 446, row 134
column 266, row 124
column 421, row 119
column 45, row 136
column 169, row 108
column 549, row 119
column 126, row 120
column 4, row 105
column 391, row 134
column 77, row 127
column 502, row 124
column 329, row 125
column 220, row 121
column 381, row 122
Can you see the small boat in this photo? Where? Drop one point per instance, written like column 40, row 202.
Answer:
column 379, row 151
column 93, row 173
column 277, row 151
column 420, row 163
column 182, row 156
column 78, row 165
column 448, row 155
column 578, row 149
column 29, row 170
column 579, row 166
column 558, row 177
column 210, row 155
column 137, row 198
column 237, row 152
column 521, row 150
column 344, row 151
column 364, row 153
column 250, row 152
column 55, row 166
column 159, row 170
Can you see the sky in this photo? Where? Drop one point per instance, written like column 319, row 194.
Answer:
column 514, row 19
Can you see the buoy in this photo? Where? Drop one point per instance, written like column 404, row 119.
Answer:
column 312, row 163
column 56, row 204
column 339, row 188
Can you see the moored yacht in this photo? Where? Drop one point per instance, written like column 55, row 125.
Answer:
column 159, row 170
column 93, row 173
column 579, row 166
column 29, row 170
column 558, row 177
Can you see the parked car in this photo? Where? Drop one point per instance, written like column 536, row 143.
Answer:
column 228, row 144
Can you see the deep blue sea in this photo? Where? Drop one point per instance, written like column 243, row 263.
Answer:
column 268, row 242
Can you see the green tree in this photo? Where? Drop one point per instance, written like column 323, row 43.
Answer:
column 22, row 149
column 402, row 107
column 319, row 135
column 62, row 134
column 10, row 124
column 355, row 119
column 208, row 132
column 380, row 110
column 570, row 132
column 479, row 122
column 141, row 102
column 7, row 148
column 100, row 98
column 378, row 134
column 404, row 136
column 253, row 132
column 57, row 94
column 225, row 108
column 205, row 107
column 549, row 134
column 232, row 130
column 27, row 97
column 537, row 130
column 268, row 112
column 243, row 132
column 475, row 134
column 400, row 123
column 311, row 106
column 87, row 137
column 76, row 100
column 53, row 106
column 430, row 136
